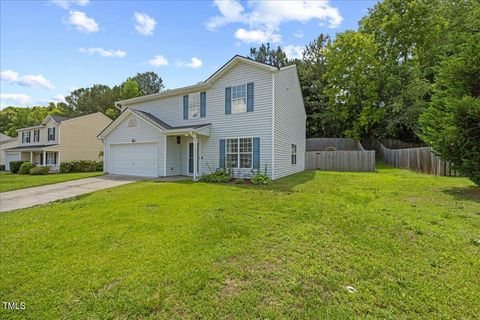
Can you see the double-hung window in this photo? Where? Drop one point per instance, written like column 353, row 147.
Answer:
column 194, row 105
column 51, row 134
column 239, row 98
column 239, row 153
column 294, row 153
column 26, row 137
column 36, row 135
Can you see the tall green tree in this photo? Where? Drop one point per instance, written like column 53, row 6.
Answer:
column 99, row 98
column 130, row 89
column 275, row 57
column 352, row 88
column 311, row 71
column 149, row 82
column 451, row 125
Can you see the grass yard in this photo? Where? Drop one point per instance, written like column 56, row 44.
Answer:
column 9, row 182
column 408, row 243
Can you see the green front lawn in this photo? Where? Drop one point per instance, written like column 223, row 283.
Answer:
column 9, row 182
column 408, row 243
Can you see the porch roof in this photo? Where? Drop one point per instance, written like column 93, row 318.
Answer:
column 38, row 147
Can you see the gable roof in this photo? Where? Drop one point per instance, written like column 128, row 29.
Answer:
column 148, row 117
column 60, row 119
column 204, row 84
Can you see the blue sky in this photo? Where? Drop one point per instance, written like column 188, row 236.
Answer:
column 49, row 48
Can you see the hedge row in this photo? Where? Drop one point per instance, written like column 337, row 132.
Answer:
column 81, row 166
column 15, row 166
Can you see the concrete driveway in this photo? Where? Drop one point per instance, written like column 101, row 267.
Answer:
column 30, row 197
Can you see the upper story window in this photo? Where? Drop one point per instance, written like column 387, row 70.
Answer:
column 294, row 154
column 26, row 137
column 194, row 105
column 51, row 134
column 239, row 98
column 36, row 135
column 132, row 123
column 239, row 153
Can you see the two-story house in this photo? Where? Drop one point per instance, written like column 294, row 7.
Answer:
column 246, row 116
column 59, row 139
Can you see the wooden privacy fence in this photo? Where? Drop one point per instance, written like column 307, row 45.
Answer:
column 416, row 159
column 350, row 155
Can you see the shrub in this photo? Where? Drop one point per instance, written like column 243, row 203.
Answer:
column 15, row 166
column 25, row 167
column 39, row 171
column 81, row 166
column 239, row 181
column 261, row 178
column 220, row 175
column 2, row 167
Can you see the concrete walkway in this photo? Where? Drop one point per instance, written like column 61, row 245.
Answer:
column 30, row 197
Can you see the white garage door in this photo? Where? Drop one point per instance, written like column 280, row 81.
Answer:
column 11, row 157
column 135, row 159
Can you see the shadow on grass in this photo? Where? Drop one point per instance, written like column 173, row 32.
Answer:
column 464, row 193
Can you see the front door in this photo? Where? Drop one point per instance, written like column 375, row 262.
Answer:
column 190, row 157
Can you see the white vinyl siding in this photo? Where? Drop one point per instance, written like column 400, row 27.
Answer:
column 223, row 126
column 290, row 123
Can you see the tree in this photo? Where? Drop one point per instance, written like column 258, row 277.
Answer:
column 275, row 57
column 353, row 107
column 98, row 98
column 451, row 125
column 148, row 82
column 311, row 71
column 130, row 89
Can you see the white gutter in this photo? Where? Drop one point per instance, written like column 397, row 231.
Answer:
column 273, row 126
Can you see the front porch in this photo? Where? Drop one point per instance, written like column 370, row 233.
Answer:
column 42, row 157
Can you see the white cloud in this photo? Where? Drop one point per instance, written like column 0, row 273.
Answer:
column 293, row 52
column 298, row 34
column 28, row 80
column 267, row 16
column 103, row 52
column 252, row 36
column 58, row 98
column 158, row 61
column 82, row 22
column 65, row 4
column 194, row 63
column 144, row 24
column 15, row 97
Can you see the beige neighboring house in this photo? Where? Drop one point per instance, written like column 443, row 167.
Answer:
column 59, row 139
column 6, row 142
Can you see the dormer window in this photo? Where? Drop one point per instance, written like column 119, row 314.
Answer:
column 194, row 105
column 132, row 123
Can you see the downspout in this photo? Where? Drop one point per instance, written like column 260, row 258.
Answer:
column 273, row 126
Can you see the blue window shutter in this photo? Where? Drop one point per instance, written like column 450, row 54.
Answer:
column 228, row 100
column 203, row 104
column 222, row 153
column 185, row 107
column 256, row 153
column 250, row 97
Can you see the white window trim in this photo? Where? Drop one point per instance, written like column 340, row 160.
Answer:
column 231, row 98
column 238, row 152
column 190, row 106
column 134, row 123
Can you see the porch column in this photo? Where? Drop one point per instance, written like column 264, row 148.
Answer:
column 31, row 156
column 195, row 156
column 44, row 160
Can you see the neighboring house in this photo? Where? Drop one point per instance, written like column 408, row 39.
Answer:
column 6, row 142
column 247, row 115
column 59, row 139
